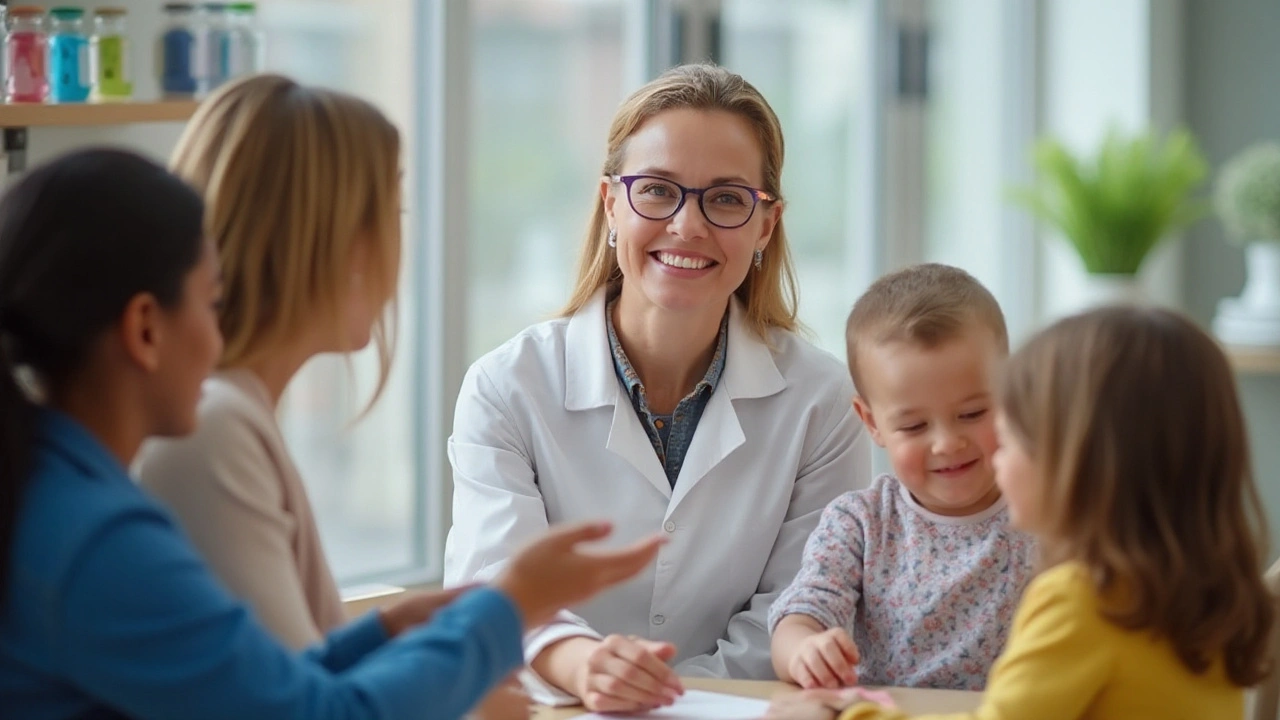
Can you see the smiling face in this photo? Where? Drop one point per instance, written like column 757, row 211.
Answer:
column 685, row 263
column 932, row 410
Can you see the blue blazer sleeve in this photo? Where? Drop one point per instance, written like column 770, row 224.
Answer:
column 142, row 625
column 345, row 646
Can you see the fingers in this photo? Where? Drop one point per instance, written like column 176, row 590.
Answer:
column 832, row 653
column 813, row 670
column 623, row 563
column 834, row 699
column 805, row 676
column 448, row 595
column 597, row 701
column 824, row 675
column 664, row 651
column 801, row 675
column 847, row 646
column 621, row 680
column 553, row 573
column 799, row 706
column 626, row 674
column 563, row 537
column 651, row 658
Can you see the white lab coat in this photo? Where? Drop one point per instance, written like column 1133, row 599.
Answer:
column 545, row 433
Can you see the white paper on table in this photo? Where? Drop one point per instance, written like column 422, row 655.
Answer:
column 698, row 705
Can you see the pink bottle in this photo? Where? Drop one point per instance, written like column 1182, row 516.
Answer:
column 26, row 56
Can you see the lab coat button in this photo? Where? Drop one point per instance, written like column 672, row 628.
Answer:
column 669, row 527
column 658, row 619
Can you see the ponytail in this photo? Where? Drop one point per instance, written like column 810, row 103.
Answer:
column 17, row 423
column 80, row 237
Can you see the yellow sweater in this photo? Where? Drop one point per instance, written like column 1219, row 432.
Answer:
column 1065, row 662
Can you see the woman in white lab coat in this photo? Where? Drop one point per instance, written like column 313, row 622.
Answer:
column 683, row 319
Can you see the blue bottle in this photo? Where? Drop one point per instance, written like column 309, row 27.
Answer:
column 180, row 63
column 69, row 78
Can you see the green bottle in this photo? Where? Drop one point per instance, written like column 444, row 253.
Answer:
column 109, row 54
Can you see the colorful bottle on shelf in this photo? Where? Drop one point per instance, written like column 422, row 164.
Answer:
column 246, row 45
column 178, row 56
column 109, row 55
column 4, row 30
column 69, row 78
column 213, row 34
column 26, row 50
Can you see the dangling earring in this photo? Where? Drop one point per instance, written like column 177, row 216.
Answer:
column 759, row 259
column 613, row 238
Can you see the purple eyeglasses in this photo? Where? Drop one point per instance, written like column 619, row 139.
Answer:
column 727, row 205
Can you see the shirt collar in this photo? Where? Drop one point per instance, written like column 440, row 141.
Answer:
column 65, row 436
column 631, row 379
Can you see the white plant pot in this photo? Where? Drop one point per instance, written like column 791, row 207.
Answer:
column 1254, row 317
column 1111, row 289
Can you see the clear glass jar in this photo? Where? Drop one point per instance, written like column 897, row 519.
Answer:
column 109, row 55
column 179, row 62
column 246, row 43
column 69, row 79
column 213, row 39
column 26, row 49
column 4, row 24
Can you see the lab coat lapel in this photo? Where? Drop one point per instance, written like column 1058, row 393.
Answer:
column 749, row 372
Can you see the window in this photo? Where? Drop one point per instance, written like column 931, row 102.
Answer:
column 546, row 78
column 362, row 474
column 813, row 64
column 977, row 139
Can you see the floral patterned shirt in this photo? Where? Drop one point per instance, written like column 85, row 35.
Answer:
column 928, row 599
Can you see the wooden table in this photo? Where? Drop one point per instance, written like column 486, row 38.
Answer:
column 912, row 701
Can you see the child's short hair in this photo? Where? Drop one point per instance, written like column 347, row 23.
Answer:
column 1133, row 421
column 927, row 304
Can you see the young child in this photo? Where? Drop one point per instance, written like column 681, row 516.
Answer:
column 1122, row 446
column 913, row 582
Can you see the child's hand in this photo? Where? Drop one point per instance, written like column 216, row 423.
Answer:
column 825, row 660
column 507, row 701
column 810, row 705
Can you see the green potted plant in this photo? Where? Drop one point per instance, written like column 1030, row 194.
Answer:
column 1247, row 200
column 1116, row 206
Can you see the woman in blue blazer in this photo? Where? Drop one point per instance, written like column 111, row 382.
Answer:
column 108, row 326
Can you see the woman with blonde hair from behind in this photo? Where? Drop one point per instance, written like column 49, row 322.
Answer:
column 302, row 187
column 1124, row 449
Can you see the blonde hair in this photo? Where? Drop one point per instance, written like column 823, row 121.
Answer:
column 768, row 294
column 927, row 305
column 1133, row 422
column 295, row 180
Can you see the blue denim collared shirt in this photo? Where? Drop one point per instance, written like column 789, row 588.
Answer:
column 671, row 434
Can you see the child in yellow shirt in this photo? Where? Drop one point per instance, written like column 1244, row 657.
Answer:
column 1123, row 447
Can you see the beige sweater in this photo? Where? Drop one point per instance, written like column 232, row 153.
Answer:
column 238, row 495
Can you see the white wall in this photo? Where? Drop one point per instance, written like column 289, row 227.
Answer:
column 1232, row 101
